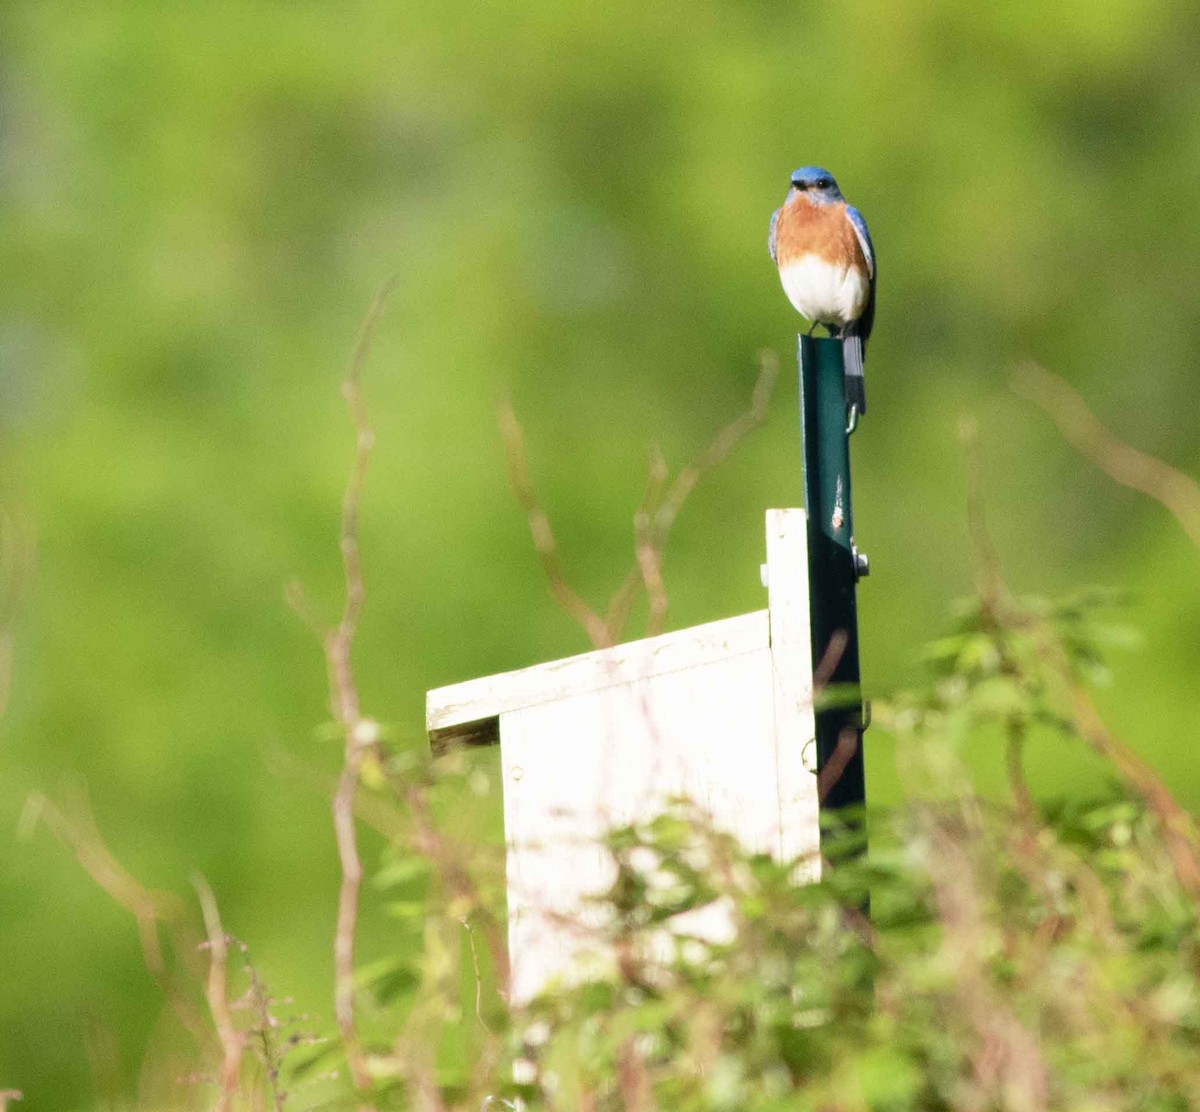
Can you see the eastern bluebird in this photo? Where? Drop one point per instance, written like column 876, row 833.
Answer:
column 827, row 266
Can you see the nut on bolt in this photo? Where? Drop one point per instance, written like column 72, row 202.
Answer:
column 862, row 566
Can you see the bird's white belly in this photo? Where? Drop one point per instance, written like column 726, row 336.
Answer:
column 824, row 292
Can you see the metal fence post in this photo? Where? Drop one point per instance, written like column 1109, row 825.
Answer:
column 834, row 568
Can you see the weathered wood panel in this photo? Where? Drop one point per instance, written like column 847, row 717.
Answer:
column 792, row 670
column 720, row 713
column 477, row 700
column 577, row 766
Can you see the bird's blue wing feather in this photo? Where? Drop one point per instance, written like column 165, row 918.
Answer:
column 866, row 322
column 771, row 234
column 864, row 236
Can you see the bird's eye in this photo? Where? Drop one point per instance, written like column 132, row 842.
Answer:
column 824, row 183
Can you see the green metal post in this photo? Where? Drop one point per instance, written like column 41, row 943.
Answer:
column 834, row 566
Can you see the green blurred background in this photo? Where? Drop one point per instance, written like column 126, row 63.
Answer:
column 198, row 203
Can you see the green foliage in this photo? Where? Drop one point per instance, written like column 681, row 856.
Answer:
column 1010, row 960
column 1013, row 957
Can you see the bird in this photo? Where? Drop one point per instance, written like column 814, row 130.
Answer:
column 826, row 263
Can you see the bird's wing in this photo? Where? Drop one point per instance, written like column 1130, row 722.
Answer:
column 864, row 237
column 864, row 323
column 771, row 234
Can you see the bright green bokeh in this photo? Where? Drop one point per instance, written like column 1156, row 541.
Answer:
column 198, row 203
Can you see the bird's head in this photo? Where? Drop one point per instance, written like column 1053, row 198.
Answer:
column 815, row 184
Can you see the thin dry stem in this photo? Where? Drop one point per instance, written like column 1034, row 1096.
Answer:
column 632, row 1080
column 1006, row 1056
column 264, row 1029
column 75, row 827
column 455, row 875
column 347, row 914
column 1179, row 827
column 298, row 601
column 426, row 1095
column 478, row 976
column 544, row 544
column 660, row 506
column 995, row 603
column 78, row 833
column 843, row 753
column 989, row 582
column 360, row 734
column 848, row 738
column 233, row 1042
column 654, row 521
column 621, row 603
column 1178, row 492
column 727, row 438
column 832, row 656
column 649, row 562
column 1014, row 763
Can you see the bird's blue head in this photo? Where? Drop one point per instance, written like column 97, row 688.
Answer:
column 816, row 184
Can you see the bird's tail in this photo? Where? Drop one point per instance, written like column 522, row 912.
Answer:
column 852, row 356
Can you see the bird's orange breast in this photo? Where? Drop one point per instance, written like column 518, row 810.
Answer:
column 805, row 228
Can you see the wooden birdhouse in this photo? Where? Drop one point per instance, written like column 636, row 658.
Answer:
column 720, row 713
